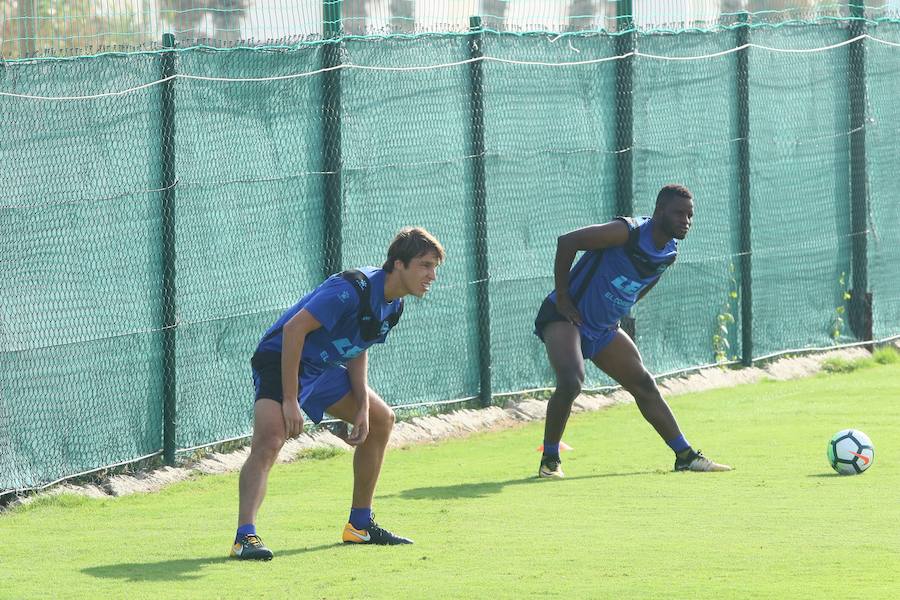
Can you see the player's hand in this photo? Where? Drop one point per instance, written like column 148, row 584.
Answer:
column 360, row 429
column 293, row 420
column 567, row 308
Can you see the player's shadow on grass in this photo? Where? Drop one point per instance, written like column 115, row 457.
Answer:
column 486, row 488
column 182, row 569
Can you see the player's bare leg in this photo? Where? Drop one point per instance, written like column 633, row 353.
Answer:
column 268, row 438
column 563, row 343
column 621, row 360
column 367, row 460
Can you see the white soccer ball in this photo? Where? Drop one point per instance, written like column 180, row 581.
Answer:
column 850, row 452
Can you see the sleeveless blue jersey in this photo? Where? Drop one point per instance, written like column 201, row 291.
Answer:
column 335, row 305
column 605, row 284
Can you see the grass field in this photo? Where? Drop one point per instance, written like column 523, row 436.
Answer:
column 782, row 525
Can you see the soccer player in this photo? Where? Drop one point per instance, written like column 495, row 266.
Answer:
column 315, row 357
column 579, row 320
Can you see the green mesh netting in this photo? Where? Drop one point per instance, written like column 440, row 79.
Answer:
column 533, row 173
column 248, row 223
column 796, row 269
column 80, row 378
column 883, row 157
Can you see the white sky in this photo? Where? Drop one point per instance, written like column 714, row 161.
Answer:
column 438, row 15
column 274, row 19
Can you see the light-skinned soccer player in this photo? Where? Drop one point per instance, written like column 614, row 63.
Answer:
column 623, row 259
column 315, row 357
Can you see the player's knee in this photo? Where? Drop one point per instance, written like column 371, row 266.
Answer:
column 386, row 419
column 381, row 419
column 266, row 449
column 380, row 425
column 643, row 386
column 647, row 381
column 569, row 384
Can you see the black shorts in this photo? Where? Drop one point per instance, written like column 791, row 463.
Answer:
column 592, row 340
column 546, row 314
column 267, row 375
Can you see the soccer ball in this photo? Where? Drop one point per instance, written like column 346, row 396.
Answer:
column 850, row 452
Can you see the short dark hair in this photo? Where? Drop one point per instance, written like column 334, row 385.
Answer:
column 409, row 243
column 672, row 191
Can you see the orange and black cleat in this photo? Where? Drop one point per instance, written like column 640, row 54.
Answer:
column 372, row 534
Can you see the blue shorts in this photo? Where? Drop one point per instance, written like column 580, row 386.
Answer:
column 592, row 340
column 318, row 390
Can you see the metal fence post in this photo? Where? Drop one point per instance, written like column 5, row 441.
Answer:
column 625, row 124
column 624, row 108
column 745, row 257
column 479, row 197
column 331, row 136
column 168, row 180
column 860, row 298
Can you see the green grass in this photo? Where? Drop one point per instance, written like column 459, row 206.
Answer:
column 782, row 525
column 881, row 356
column 320, row 453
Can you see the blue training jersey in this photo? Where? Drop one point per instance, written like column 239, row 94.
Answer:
column 335, row 304
column 604, row 284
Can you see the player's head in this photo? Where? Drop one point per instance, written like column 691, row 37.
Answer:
column 674, row 210
column 414, row 256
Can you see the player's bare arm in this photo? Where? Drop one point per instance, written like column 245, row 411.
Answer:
column 594, row 237
column 358, row 372
column 295, row 332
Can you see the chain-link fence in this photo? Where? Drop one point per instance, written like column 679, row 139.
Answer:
column 159, row 210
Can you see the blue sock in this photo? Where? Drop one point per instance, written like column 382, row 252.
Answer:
column 551, row 449
column 249, row 529
column 360, row 517
column 679, row 444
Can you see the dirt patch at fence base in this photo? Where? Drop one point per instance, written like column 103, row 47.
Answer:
column 460, row 423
